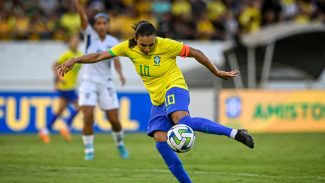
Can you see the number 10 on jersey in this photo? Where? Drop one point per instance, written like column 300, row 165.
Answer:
column 144, row 70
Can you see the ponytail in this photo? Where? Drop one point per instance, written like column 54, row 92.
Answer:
column 132, row 42
column 141, row 28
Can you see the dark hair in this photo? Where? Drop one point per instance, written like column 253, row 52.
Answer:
column 142, row 28
column 97, row 16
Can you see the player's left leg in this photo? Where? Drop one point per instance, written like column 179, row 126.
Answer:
column 108, row 101
column 72, row 97
column 117, row 132
column 44, row 133
column 63, row 103
column 158, row 126
column 87, row 101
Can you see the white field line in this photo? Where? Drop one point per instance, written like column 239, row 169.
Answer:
column 121, row 170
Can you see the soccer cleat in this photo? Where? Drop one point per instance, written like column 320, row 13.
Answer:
column 66, row 134
column 89, row 152
column 243, row 137
column 44, row 137
column 122, row 151
column 89, row 156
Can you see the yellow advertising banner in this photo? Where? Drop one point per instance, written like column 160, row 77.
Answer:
column 273, row 110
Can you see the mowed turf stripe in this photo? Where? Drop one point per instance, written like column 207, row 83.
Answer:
column 158, row 171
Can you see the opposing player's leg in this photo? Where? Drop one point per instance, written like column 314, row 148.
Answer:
column 177, row 109
column 87, row 101
column 158, row 126
column 117, row 132
column 108, row 101
column 88, row 131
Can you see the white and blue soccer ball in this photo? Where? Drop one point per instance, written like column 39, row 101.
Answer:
column 180, row 138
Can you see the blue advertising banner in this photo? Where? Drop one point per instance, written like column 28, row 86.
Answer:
column 27, row 112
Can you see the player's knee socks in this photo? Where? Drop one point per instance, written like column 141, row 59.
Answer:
column 51, row 122
column 173, row 162
column 71, row 117
column 118, row 137
column 207, row 126
column 88, row 141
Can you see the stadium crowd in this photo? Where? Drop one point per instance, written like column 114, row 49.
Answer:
column 178, row 19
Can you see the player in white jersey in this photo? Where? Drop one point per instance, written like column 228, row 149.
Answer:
column 96, row 86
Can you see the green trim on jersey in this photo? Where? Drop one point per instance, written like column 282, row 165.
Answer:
column 111, row 52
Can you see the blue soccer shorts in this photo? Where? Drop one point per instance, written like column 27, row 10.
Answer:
column 69, row 95
column 176, row 99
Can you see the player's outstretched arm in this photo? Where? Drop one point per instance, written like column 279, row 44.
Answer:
column 82, row 13
column 85, row 59
column 204, row 60
column 118, row 68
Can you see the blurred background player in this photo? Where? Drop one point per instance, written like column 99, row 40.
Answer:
column 96, row 85
column 65, row 88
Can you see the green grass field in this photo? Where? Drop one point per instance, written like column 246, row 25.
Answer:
column 280, row 158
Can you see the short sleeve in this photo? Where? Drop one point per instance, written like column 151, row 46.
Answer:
column 174, row 48
column 63, row 58
column 89, row 30
column 120, row 49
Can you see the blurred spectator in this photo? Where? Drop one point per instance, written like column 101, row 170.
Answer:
column 216, row 8
column 185, row 27
column 160, row 8
column 166, row 28
column 306, row 10
column 70, row 21
column 289, row 9
column 5, row 28
column 231, row 26
column 271, row 12
column 21, row 24
column 181, row 8
column 205, row 29
column 320, row 13
column 48, row 7
column 199, row 7
column 250, row 17
column 178, row 19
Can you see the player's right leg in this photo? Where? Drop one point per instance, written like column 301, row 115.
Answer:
column 72, row 98
column 158, row 126
column 177, row 109
column 87, row 101
column 88, row 131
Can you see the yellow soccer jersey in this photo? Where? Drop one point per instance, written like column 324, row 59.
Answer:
column 158, row 69
column 70, row 78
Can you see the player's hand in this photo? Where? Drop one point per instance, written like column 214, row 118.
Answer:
column 226, row 75
column 64, row 68
column 123, row 80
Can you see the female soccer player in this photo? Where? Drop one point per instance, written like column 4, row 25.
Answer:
column 96, row 85
column 65, row 88
column 155, row 61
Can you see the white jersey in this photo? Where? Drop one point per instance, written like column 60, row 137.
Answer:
column 100, row 72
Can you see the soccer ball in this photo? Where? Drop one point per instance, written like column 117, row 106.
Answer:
column 180, row 138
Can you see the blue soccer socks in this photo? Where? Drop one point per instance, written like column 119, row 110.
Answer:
column 173, row 162
column 207, row 126
column 71, row 117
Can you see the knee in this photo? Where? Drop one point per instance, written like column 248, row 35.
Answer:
column 160, row 136
column 178, row 115
column 88, row 116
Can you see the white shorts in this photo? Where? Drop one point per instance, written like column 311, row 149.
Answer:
column 91, row 94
